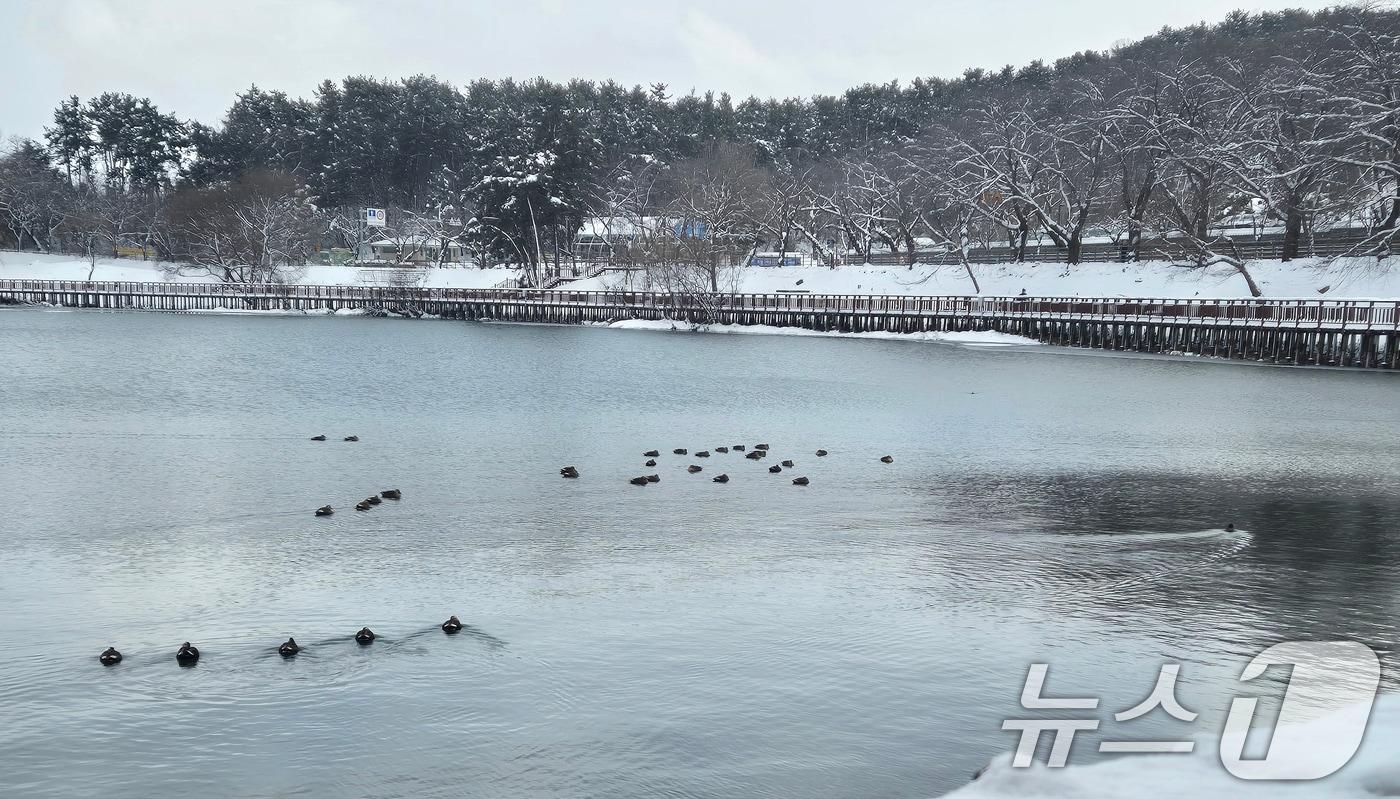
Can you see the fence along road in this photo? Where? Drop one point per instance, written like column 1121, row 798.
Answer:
column 1250, row 247
column 1351, row 333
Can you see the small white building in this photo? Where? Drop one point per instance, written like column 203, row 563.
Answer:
column 601, row 236
column 415, row 251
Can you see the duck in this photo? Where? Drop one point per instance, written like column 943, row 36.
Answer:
column 800, row 481
column 722, row 450
column 363, row 505
column 760, row 446
column 452, row 626
column 653, row 453
column 392, row 493
column 738, row 447
column 703, row 454
column 721, row 478
column 787, row 464
column 569, row 471
column 755, row 455
column 887, row 459
column 680, row 452
column 110, row 657
column 651, row 463
column 821, row 453
column 373, row 500
column 653, row 478
column 352, row 438
column 325, row 510
column 364, row 637
column 187, row 655
column 639, row 481
column 1230, row 528
column 289, row 649
column 775, row 468
column 693, row 468
column 318, row 438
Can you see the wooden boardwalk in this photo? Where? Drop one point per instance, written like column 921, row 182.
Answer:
column 1351, row 333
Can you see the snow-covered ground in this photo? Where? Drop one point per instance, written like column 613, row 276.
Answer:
column 1374, row 772
column 34, row 266
column 986, row 338
column 1360, row 278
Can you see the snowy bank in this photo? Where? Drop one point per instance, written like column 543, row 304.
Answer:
column 1375, row 771
column 280, row 312
column 1360, row 278
column 36, row 266
column 982, row 338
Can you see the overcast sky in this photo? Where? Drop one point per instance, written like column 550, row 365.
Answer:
column 192, row 56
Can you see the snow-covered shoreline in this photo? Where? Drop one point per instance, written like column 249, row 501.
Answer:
column 1312, row 279
column 224, row 311
column 976, row 338
column 1359, row 278
column 985, row 338
column 37, row 266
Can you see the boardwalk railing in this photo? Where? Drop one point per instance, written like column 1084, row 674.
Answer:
column 1346, row 332
column 1371, row 314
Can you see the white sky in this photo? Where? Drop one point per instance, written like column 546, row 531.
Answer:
column 192, row 56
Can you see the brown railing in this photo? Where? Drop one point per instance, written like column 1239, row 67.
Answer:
column 1351, row 314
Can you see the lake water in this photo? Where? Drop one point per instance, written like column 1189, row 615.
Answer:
column 863, row 636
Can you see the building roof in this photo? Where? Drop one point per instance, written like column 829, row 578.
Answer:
column 604, row 227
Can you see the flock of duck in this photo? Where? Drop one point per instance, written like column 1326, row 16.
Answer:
column 758, row 453
column 188, row 654
column 364, row 504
